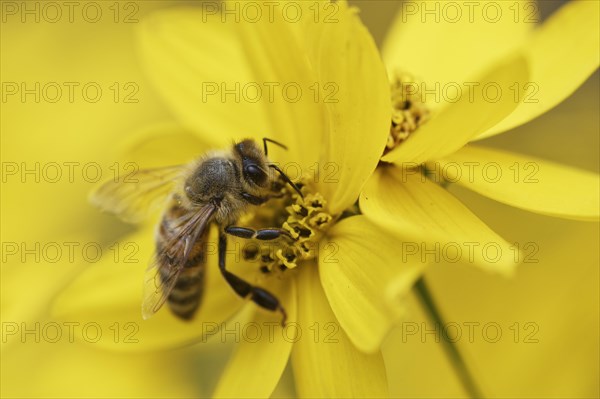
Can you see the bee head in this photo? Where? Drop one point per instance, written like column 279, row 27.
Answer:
column 253, row 162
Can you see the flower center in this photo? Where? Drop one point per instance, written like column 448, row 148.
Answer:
column 408, row 111
column 305, row 219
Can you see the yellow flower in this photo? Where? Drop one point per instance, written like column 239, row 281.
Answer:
column 341, row 297
column 534, row 69
column 195, row 63
column 559, row 56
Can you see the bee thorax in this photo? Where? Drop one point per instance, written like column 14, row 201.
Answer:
column 212, row 180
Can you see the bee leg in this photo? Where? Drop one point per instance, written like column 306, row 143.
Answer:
column 254, row 200
column 260, row 234
column 261, row 297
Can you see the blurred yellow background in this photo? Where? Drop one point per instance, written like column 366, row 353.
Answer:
column 559, row 294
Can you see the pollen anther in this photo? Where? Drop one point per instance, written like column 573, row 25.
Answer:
column 304, row 218
column 408, row 110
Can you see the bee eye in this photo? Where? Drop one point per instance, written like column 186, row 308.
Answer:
column 255, row 174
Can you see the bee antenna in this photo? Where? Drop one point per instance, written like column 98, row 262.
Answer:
column 268, row 140
column 287, row 179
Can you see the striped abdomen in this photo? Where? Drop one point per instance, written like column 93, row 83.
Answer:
column 186, row 296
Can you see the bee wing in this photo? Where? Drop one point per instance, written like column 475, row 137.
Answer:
column 134, row 198
column 163, row 272
column 157, row 290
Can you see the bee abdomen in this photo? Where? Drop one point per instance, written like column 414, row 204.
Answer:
column 186, row 296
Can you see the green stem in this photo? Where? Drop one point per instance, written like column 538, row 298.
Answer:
column 450, row 348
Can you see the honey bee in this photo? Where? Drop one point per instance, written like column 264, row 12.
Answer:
column 217, row 188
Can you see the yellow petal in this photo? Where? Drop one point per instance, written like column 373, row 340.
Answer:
column 109, row 293
column 60, row 368
column 364, row 275
column 325, row 363
column 162, row 145
column 263, row 349
column 276, row 54
column 525, row 182
column 457, row 124
column 561, row 55
column 69, row 138
column 437, row 226
column 33, row 263
column 198, row 65
column 445, row 41
column 358, row 122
